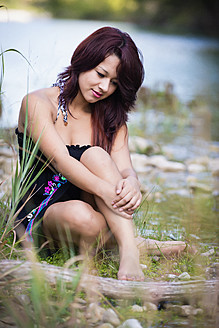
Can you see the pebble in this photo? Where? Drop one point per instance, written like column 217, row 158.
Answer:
column 131, row 323
column 137, row 308
column 196, row 168
column 142, row 145
column 200, row 187
column 214, row 166
column 156, row 258
column 163, row 164
column 208, row 253
column 94, row 313
column 184, row 276
column 139, row 162
column 105, row 325
column 171, row 276
column 183, row 311
column 148, row 306
column 6, row 152
column 143, row 266
column 110, row 316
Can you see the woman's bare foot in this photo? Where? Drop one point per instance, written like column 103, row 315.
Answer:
column 129, row 268
column 166, row 248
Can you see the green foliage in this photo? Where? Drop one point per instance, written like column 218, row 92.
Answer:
column 170, row 16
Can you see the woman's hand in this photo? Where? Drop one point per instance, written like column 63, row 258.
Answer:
column 128, row 195
column 108, row 196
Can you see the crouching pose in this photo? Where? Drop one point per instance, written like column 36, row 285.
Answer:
column 89, row 187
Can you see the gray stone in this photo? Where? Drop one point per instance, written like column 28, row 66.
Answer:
column 180, row 192
column 105, row 325
column 208, row 253
column 137, row 308
column 182, row 311
column 131, row 323
column 171, row 276
column 197, row 312
column 163, row 164
column 148, row 306
column 111, row 317
column 94, row 313
column 196, row 168
column 139, row 162
column 142, row 145
column 6, row 152
column 195, row 186
column 6, row 165
column 214, row 166
column 184, row 276
column 143, row 266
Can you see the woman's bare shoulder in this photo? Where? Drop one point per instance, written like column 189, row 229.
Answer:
column 42, row 102
column 44, row 97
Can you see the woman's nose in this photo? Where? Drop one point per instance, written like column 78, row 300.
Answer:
column 104, row 84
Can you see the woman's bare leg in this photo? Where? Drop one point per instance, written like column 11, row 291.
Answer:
column 101, row 164
column 74, row 221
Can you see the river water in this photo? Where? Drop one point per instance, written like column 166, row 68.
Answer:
column 190, row 63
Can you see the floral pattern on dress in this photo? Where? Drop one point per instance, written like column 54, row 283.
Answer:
column 52, row 186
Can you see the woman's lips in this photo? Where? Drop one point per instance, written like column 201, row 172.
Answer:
column 96, row 94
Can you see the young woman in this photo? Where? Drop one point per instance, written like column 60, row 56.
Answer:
column 90, row 187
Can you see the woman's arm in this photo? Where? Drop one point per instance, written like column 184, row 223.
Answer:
column 128, row 189
column 41, row 125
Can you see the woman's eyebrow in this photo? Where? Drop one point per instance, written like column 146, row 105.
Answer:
column 115, row 78
column 103, row 69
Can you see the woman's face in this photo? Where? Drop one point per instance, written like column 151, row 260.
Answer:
column 100, row 82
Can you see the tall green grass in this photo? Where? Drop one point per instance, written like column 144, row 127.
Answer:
column 34, row 303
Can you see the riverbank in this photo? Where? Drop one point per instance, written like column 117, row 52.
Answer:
column 180, row 203
column 182, row 212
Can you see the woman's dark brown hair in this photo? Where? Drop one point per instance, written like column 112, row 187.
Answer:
column 109, row 114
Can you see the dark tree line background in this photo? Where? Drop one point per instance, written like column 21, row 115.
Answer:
column 168, row 16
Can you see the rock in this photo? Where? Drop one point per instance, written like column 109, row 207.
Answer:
column 143, row 266
column 139, row 162
column 191, row 179
column 179, row 192
column 194, row 236
column 79, row 300
column 184, row 276
column 23, row 299
column 131, row 323
column 6, row 152
column 156, row 160
column 148, row 306
column 214, row 166
column 94, row 313
column 142, row 145
column 200, row 187
column 6, row 165
column 197, row 311
column 171, row 276
column 110, row 316
column 105, row 325
column 196, row 168
column 137, row 308
column 163, row 164
column 208, row 253
column 183, row 311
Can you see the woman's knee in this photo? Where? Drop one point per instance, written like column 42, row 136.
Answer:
column 99, row 162
column 77, row 217
column 86, row 219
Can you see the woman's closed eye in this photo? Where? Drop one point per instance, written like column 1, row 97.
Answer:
column 100, row 74
column 114, row 83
